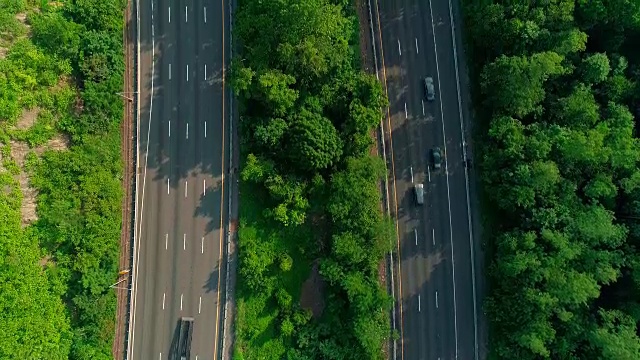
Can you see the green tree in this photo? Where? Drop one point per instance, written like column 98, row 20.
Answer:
column 579, row 109
column 515, row 85
column 314, row 142
column 595, row 68
column 274, row 89
column 617, row 337
column 96, row 15
column 56, row 34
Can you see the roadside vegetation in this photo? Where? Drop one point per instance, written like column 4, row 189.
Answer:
column 557, row 96
column 61, row 67
column 312, row 235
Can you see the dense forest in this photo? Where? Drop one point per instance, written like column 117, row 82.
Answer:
column 557, row 103
column 64, row 62
column 312, row 234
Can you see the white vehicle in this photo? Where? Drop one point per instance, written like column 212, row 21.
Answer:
column 419, row 192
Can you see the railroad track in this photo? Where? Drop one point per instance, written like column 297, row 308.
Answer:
column 122, row 288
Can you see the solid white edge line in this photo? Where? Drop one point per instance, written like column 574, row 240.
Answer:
column 446, row 167
column 136, row 245
column 230, row 190
column 466, row 178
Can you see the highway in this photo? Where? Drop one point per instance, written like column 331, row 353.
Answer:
column 182, row 193
column 438, row 245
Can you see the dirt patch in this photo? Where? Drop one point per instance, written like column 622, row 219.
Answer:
column 28, row 118
column 46, row 260
column 312, row 296
column 58, row 142
column 22, row 17
column 366, row 46
column 19, row 151
column 233, row 225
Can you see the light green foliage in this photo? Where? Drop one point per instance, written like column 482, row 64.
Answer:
column 25, row 76
column 34, row 321
column 79, row 190
column 595, row 68
column 559, row 165
column 515, row 85
column 579, row 109
column 273, row 87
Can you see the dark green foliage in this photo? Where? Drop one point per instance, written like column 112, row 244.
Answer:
column 311, row 188
column 557, row 85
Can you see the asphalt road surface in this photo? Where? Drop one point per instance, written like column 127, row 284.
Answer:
column 435, row 275
column 182, row 197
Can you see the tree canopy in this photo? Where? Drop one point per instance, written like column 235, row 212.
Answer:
column 557, row 85
column 307, row 116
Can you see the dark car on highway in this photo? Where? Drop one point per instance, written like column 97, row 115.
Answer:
column 436, row 158
column 185, row 333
